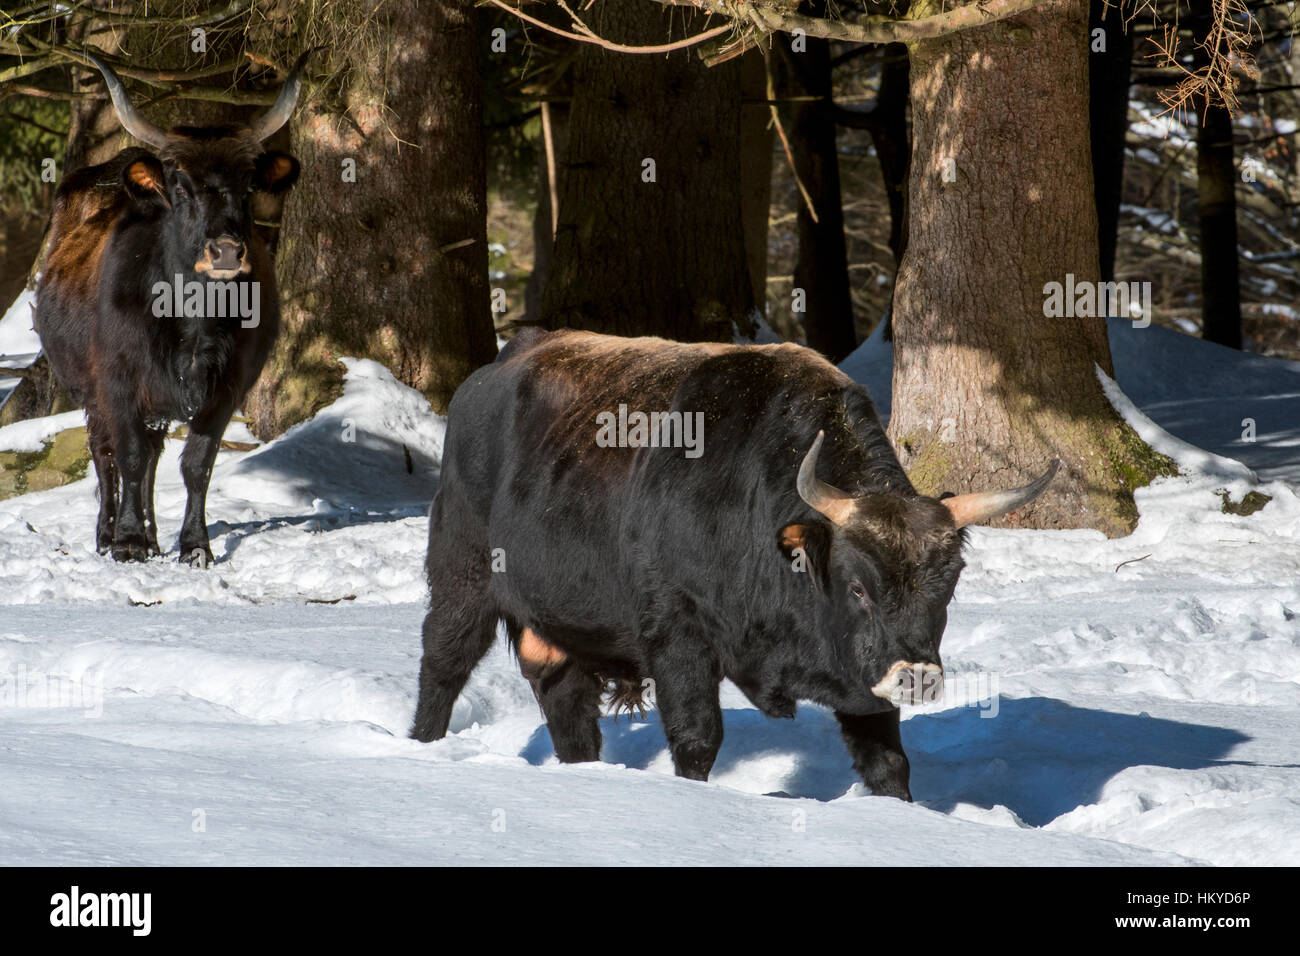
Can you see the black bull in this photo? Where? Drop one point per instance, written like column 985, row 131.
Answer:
column 746, row 561
column 158, row 303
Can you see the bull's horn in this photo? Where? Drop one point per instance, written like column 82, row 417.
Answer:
column 816, row 493
column 283, row 107
column 987, row 505
column 131, row 121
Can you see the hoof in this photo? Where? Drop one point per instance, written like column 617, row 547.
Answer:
column 200, row 557
column 130, row 551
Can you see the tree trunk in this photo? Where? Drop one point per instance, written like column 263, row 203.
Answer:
column 94, row 136
column 393, row 266
column 1108, row 82
column 886, row 121
column 37, row 395
column 987, row 389
column 893, row 146
column 650, row 238
column 1216, row 204
column 756, row 141
column 555, row 127
column 821, row 268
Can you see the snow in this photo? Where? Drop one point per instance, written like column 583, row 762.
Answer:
column 1204, row 394
column 19, row 344
column 1111, row 702
column 1190, row 459
column 32, row 434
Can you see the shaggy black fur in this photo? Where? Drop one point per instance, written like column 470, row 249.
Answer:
column 118, row 229
column 645, row 563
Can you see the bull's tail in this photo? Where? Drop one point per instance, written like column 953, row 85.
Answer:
column 625, row 696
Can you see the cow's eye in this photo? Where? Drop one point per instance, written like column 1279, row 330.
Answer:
column 858, row 591
column 182, row 192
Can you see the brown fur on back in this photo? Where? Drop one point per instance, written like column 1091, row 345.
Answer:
column 579, row 375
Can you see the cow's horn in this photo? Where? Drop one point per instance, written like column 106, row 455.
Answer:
column 818, row 495
column 987, row 505
column 131, row 121
column 284, row 104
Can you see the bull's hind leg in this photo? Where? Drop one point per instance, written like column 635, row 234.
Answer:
column 569, row 694
column 686, row 674
column 101, row 452
column 570, row 699
column 459, row 627
column 877, row 750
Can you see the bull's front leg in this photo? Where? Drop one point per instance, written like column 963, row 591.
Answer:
column 877, row 750
column 134, row 457
column 196, row 469
column 686, row 674
column 157, row 438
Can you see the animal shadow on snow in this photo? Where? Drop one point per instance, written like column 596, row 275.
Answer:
column 1039, row 757
column 372, row 479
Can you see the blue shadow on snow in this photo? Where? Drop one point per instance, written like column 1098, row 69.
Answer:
column 1039, row 757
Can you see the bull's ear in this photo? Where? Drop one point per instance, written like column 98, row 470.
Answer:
column 276, row 171
column 791, row 537
column 804, row 547
column 145, row 182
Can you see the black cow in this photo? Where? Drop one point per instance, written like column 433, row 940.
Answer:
column 619, row 563
column 158, row 303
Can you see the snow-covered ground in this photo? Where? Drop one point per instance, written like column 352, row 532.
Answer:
column 1128, row 701
column 19, row 343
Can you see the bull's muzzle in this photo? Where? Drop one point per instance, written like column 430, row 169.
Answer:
column 909, row 683
column 223, row 258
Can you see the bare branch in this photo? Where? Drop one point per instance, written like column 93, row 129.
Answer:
column 588, row 36
column 775, row 16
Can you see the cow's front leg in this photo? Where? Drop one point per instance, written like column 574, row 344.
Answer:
column 686, row 676
column 196, row 468
column 877, row 751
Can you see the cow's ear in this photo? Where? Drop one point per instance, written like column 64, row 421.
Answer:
column 276, row 171
column 145, row 182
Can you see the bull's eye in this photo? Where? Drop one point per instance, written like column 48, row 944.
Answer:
column 860, row 595
column 182, row 192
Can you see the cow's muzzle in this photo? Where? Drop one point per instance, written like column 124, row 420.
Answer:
column 223, row 258
column 909, row 683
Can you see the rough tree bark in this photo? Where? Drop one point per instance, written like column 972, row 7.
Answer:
column 987, row 390
column 663, row 257
column 393, row 266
